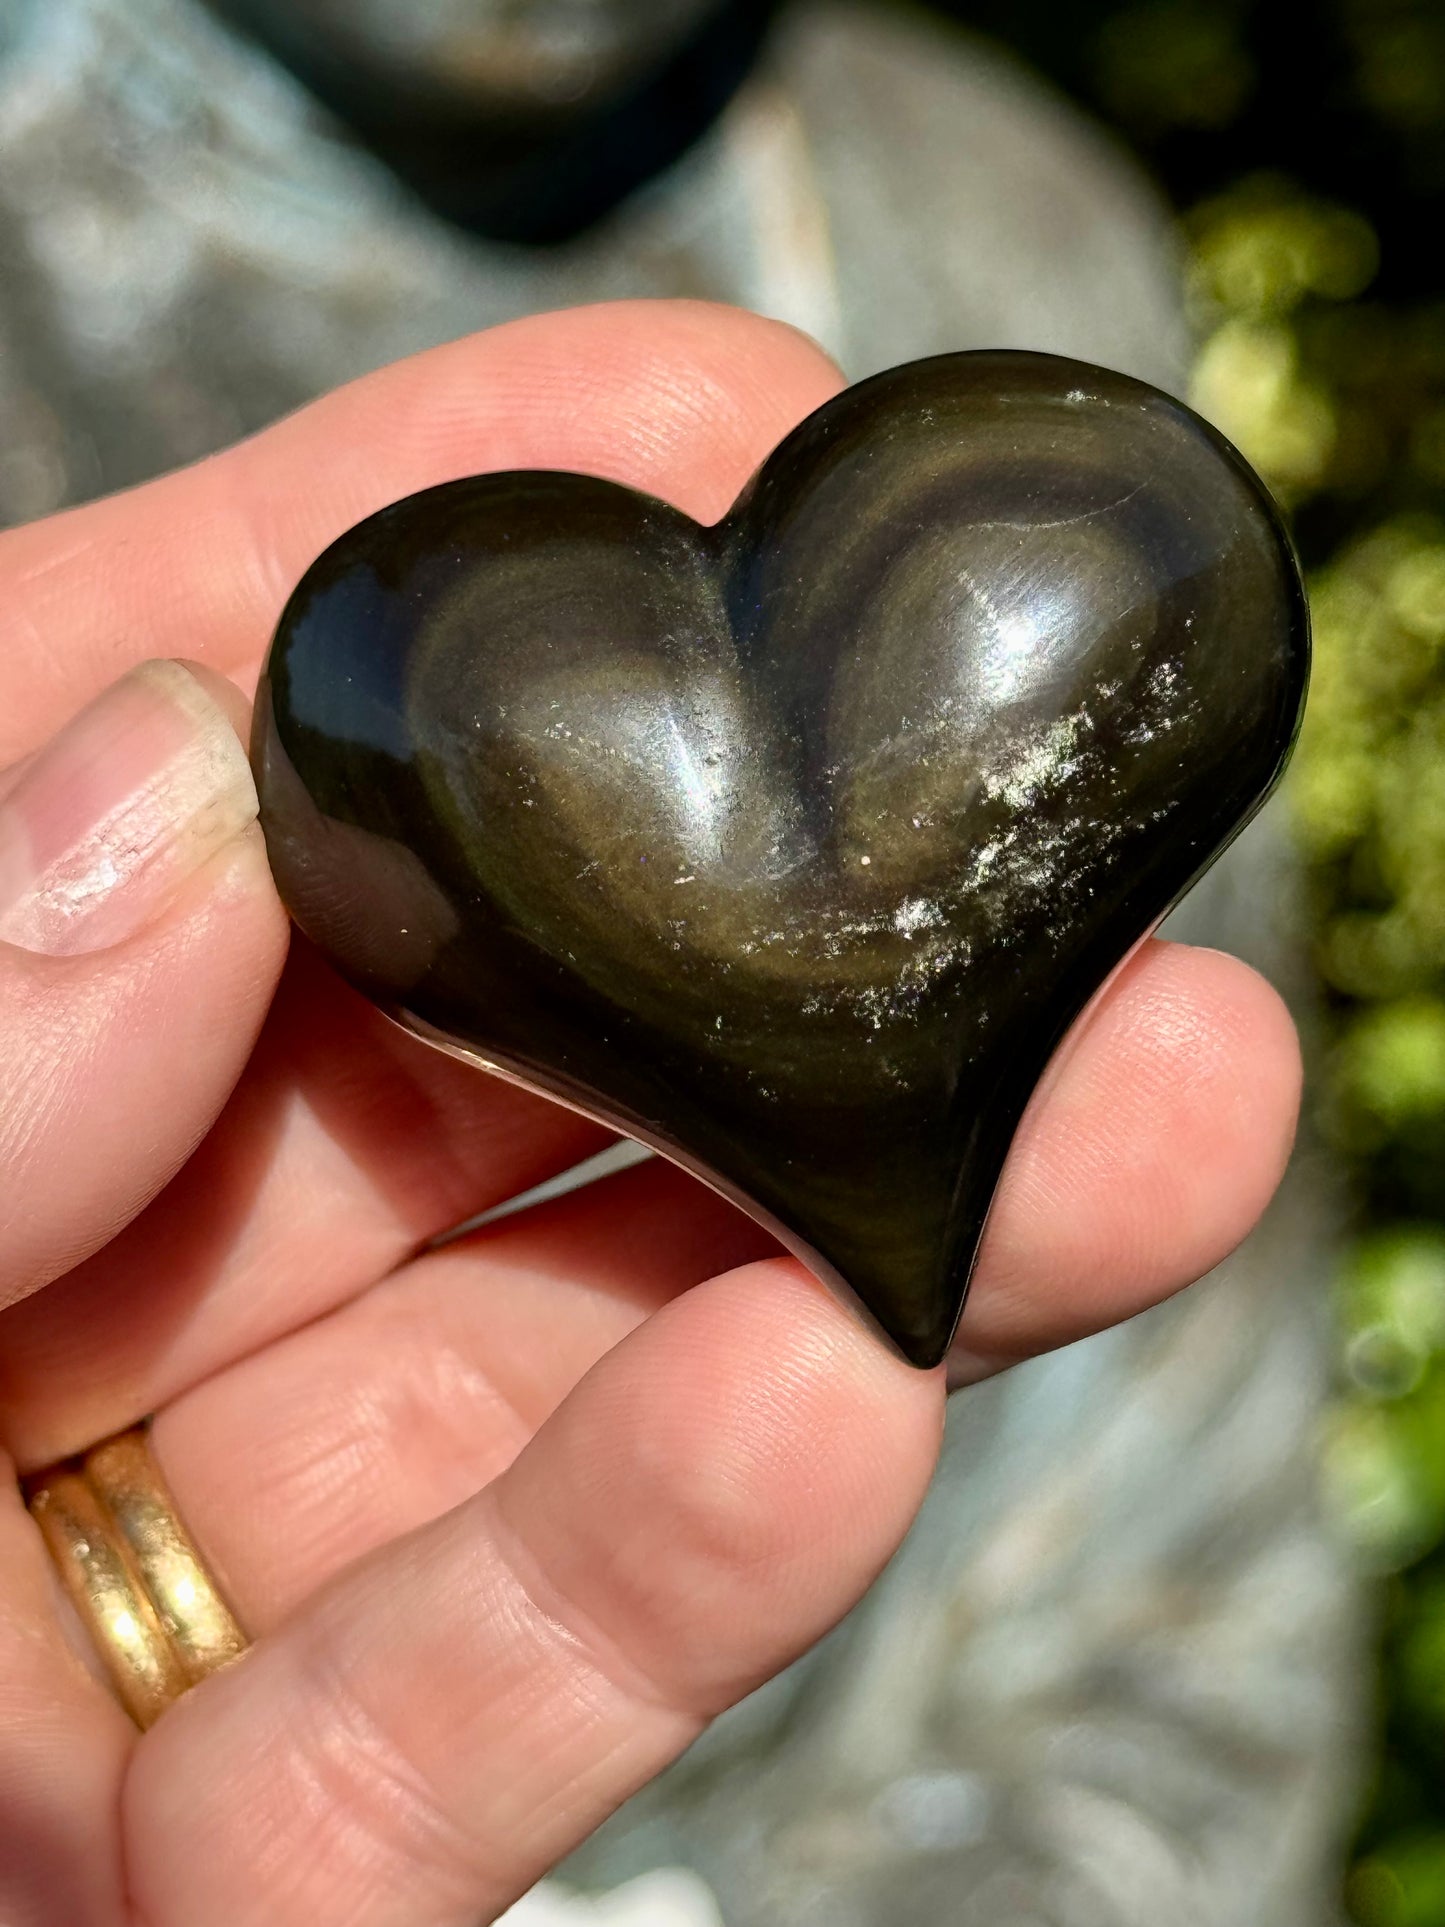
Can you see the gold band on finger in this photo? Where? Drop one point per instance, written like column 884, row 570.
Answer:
column 153, row 1610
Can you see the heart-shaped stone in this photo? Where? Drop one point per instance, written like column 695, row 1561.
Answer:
column 793, row 845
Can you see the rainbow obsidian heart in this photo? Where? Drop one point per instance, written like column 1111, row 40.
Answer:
column 793, row 845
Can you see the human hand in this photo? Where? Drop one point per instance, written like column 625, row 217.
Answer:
column 510, row 1520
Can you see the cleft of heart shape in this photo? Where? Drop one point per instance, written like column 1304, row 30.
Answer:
column 792, row 846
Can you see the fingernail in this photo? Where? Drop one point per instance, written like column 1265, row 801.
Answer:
column 131, row 798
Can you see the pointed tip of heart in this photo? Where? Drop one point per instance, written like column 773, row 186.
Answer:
column 925, row 1353
column 920, row 1342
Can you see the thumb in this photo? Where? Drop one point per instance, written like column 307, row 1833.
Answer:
column 140, row 941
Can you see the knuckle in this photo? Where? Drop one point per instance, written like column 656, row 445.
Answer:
column 376, row 1807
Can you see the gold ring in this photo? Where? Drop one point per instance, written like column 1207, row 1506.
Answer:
column 153, row 1611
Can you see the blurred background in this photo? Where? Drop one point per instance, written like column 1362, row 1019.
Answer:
column 1169, row 1643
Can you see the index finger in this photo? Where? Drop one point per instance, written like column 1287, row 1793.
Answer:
column 680, row 398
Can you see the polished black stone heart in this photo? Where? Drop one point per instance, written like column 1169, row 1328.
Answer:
column 793, row 845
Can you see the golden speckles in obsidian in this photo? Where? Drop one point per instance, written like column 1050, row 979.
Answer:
column 793, row 845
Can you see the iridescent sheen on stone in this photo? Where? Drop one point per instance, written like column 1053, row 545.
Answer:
column 793, row 845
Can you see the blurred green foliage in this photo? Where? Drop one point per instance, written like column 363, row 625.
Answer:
column 1305, row 146
column 1337, row 394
